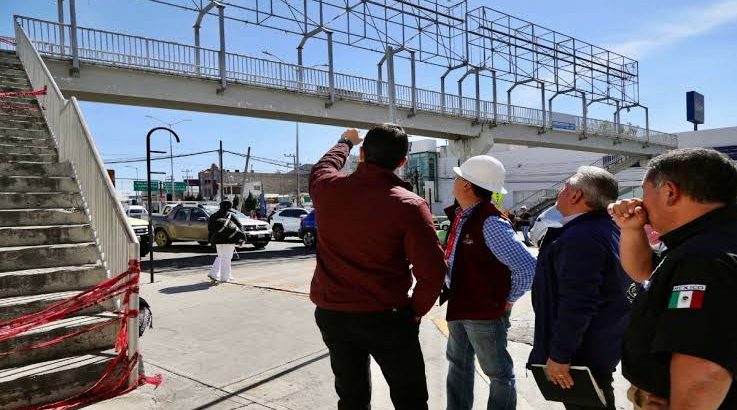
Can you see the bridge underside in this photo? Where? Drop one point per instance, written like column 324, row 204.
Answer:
column 141, row 88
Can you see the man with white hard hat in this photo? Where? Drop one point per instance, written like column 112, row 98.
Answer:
column 488, row 270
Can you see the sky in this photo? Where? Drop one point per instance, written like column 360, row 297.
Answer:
column 681, row 45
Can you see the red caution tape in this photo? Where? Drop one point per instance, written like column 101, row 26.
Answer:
column 7, row 40
column 28, row 93
column 115, row 376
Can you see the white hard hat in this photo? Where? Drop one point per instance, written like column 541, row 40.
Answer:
column 484, row 171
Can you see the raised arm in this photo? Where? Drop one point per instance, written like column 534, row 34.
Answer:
column 634, row 249
column 329, row 166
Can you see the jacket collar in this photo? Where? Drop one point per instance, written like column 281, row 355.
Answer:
column 375, row 172
column 709, row 221
column 452, row 210
column 588, row 216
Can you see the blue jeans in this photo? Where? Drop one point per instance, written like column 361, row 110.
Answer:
column 487, row 340
column 526, row 232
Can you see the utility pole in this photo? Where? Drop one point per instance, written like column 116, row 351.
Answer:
column 296, row 171
column 245, row 174
column 220, row 155
column 299, row 188
column 186, row 173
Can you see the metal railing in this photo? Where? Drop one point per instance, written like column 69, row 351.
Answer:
column 105, row 47
column 116, row 241
column 534, row 200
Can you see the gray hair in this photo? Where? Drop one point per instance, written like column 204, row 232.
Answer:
column 599, row 187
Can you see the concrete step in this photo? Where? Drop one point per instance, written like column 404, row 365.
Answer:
column 20, row 112
column 11, row 80
column 40, row 200
column 15, row 307
column 101, row 338
column 31, row 158
column 7, row 131
column 45, row 235
column 48, row 280
column 38, row 184
column 36, row 142
column 53, row 380
column 25, row 125
column 13, row 71
column 38, row 217
column 25, row 149
column 47, row 256
column 57, row 169
column 8, row 64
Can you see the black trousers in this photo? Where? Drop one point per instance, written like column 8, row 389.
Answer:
column 605, row 384
column 391, row 338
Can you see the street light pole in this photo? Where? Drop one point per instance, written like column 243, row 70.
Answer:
column 148, row 189
column 171, row 151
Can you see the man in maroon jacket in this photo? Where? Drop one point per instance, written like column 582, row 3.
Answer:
column 372, row 228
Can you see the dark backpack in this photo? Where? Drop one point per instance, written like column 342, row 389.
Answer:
column 145, row 317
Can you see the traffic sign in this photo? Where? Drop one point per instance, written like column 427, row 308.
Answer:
column 141, row 185
column 178, row 186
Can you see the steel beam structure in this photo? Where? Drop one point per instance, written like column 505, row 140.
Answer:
column 449, row 35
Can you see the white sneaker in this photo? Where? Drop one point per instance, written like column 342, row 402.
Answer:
column 212, row 279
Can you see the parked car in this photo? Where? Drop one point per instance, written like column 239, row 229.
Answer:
column 189, row 223
column 140, row 228
column 286, row 222
column 308, row 230
column 137, row 211
column 437, row 221
column 549, row 218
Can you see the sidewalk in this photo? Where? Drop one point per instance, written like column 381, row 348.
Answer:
column 234, row 346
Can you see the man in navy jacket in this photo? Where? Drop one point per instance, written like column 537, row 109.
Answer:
column 580, row 292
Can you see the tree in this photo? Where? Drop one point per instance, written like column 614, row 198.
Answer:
column 236, row 202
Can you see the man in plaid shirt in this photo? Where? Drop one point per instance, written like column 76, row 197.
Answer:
column 488, row 270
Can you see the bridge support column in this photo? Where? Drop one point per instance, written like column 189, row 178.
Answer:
column 391, row 91
column 585, row 114
column 221, row 19
column 465, row 148
column 60, row 11
column 75, row 51
column 331, row 65
column 442, row 84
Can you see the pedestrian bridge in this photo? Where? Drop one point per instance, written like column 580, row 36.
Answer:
column 126, row 69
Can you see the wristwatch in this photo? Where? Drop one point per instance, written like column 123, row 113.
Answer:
column 347, row 141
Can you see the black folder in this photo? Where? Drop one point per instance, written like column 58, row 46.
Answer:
column 585, row 391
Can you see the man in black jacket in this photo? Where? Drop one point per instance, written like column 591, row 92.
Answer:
column 224, row 231
column 580, row 289
column 680, row 348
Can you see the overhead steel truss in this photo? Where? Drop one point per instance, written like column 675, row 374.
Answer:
column 484, row 42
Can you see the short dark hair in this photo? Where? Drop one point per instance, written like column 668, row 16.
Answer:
column 481, row 193
column 705, row 175
column 385, row 146
column 225, row 205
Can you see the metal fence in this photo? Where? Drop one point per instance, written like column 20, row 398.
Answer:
column 116, row 241
column 105, row 47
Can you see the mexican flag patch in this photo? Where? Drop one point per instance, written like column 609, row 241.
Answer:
column 687, row 297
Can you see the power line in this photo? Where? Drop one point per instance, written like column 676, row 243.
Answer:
column 125, row 161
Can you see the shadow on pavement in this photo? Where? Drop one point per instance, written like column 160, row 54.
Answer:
column 205, row 261
column 187, row 288
column 261, row 382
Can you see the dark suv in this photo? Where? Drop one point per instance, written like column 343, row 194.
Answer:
column 308, row 230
